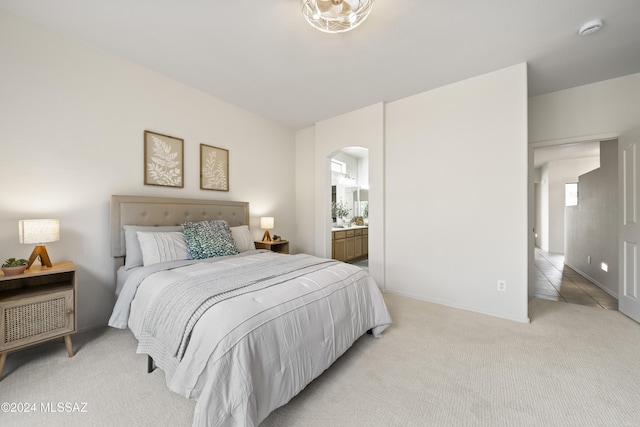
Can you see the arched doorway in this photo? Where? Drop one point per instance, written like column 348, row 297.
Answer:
column 349, row 171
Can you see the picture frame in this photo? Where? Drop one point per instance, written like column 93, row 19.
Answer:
column 214, row 168
column 163, row 160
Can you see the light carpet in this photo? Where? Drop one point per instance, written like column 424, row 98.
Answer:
column 572, row 366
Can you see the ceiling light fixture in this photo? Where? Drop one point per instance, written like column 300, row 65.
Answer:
column 336, row 16
column 590, row 27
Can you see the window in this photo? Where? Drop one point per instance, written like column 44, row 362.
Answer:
column 338, row 166
column 571, row 194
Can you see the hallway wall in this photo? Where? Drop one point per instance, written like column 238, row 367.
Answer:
column 559, row 173
column 585, row 112
column 592, row 229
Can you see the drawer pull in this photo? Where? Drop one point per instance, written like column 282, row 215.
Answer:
column 69, row 310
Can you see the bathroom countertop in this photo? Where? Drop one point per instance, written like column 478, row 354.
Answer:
column 353, row 227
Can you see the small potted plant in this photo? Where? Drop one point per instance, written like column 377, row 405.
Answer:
column 339, row 211
column 13, row 266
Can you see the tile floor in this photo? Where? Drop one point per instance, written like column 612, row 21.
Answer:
column 558, row 282
column 361, row 262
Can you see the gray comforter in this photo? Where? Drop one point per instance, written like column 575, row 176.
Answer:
column 191, row 296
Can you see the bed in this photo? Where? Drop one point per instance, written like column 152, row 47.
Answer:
column 240, row 333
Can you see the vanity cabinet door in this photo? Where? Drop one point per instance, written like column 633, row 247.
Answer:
column 351, row 247
column 357, row 252
column 339, row 246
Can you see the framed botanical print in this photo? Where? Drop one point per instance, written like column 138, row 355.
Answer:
column 214, row 168
column 163, row 160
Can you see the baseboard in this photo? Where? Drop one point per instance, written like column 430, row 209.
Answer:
column 460, row 307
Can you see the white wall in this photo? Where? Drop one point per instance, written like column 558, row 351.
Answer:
column 455, row 213
column 592, row 225
column 560, row 172
column 456, row 175
column 537, row 220
column 591, row 112
column 305, row 241
column 363, row 172
column 543, row 208
column 71, row 133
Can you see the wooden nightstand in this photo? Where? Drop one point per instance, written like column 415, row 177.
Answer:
column 36, row 306
column 280, row 246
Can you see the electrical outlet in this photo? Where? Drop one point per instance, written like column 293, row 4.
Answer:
column 588, row 259
column 502, row 286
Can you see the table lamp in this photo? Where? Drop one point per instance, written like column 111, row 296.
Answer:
column 266, row 223
column 39, row 231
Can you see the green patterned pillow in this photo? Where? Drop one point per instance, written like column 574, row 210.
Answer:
column 208, row 239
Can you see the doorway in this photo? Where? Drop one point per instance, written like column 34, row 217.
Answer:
column 573, row 238
column 350, row 206
column 554, row 167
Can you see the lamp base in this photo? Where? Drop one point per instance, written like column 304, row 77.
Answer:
column 266, row 237
column 40, row 252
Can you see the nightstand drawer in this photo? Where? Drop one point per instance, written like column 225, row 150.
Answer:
column 280, row 246
column 36, row 318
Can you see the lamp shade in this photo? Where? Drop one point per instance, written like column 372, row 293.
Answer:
column 37, row 231
column 266, row 222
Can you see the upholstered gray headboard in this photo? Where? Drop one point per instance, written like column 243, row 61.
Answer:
column 141, row 210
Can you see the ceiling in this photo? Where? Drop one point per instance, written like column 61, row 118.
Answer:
column 356, row 152
column 263, row 56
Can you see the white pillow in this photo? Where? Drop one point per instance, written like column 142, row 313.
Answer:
column 242, row 236
column 133, row 254
column 160, row 247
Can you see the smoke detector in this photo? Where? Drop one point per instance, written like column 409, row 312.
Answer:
column 590, row 27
